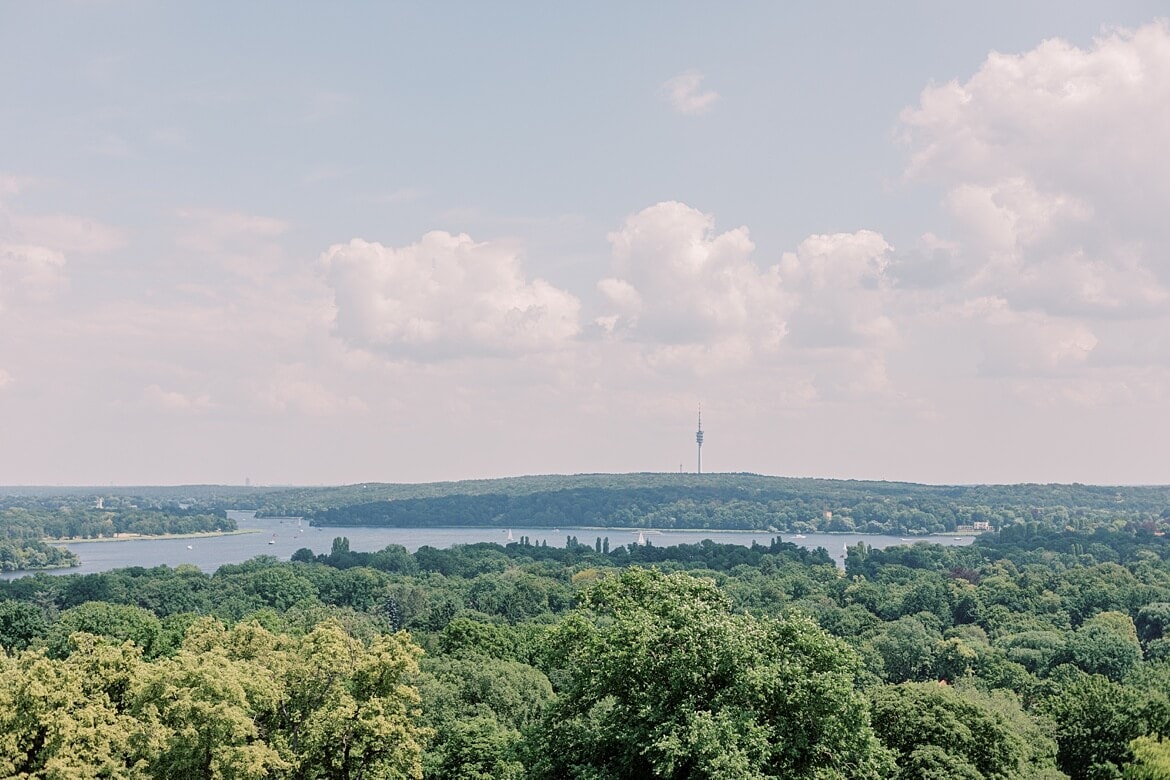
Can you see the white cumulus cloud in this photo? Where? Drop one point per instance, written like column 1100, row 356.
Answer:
column 685, row 92
column 444, row 296
column 678, row 282
column 693, row 300
column 1056, row 173
column 841, row 290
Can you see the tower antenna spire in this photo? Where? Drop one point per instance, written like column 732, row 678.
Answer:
column 699, row 440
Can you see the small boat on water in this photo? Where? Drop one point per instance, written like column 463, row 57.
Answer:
column 190, row 547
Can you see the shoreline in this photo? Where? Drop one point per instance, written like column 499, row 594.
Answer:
column 148, row 537
column 788, row 534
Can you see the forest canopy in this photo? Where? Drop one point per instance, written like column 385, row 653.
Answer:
column 1042, row 650
column 1031, row 654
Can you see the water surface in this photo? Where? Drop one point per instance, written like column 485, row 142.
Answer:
column 281, row 537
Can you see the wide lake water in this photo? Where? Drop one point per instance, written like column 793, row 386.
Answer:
column 282, row 536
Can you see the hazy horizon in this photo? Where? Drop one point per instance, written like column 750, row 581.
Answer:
column 366, row 243
column 283, row 486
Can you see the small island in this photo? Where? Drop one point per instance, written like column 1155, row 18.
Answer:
column 33, row 554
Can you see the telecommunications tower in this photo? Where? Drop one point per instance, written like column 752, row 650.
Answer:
column 699, row 440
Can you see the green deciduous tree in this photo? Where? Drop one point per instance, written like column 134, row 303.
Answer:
column 907, row 650
column 20, row 624
column 1105, row 644
column 230, row 704
column 117, row 622
column 1151, row 760
column 1096, row 720
column 199, row 706
column 478, row 706
column 932, row 726
column 348, row 711
column 660, row 680
column 67, row 718
column 1153, row 622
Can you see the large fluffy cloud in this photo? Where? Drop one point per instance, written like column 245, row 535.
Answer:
column 678, row 282
column 1074, row 116
column 1056, row 173
column 841, row 288
column 688, row 296
column 444, row 296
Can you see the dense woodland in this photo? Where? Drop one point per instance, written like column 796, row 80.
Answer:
column 1033, row 653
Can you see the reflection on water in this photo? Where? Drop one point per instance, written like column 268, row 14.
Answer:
column 281, row 537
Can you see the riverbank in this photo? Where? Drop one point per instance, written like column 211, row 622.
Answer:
column 152, row 537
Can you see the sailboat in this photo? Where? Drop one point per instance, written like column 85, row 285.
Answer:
column 510, row 539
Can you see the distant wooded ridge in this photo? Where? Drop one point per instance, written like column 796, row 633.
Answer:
column 725, row 501
column 670, row 500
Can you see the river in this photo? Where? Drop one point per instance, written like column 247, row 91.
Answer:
column 281, row 537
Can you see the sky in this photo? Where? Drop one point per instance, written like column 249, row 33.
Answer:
column 299, row 243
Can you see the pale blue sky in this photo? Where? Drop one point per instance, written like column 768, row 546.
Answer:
column 180, row 183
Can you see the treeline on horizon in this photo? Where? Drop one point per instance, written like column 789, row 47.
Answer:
column 1032, row 653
